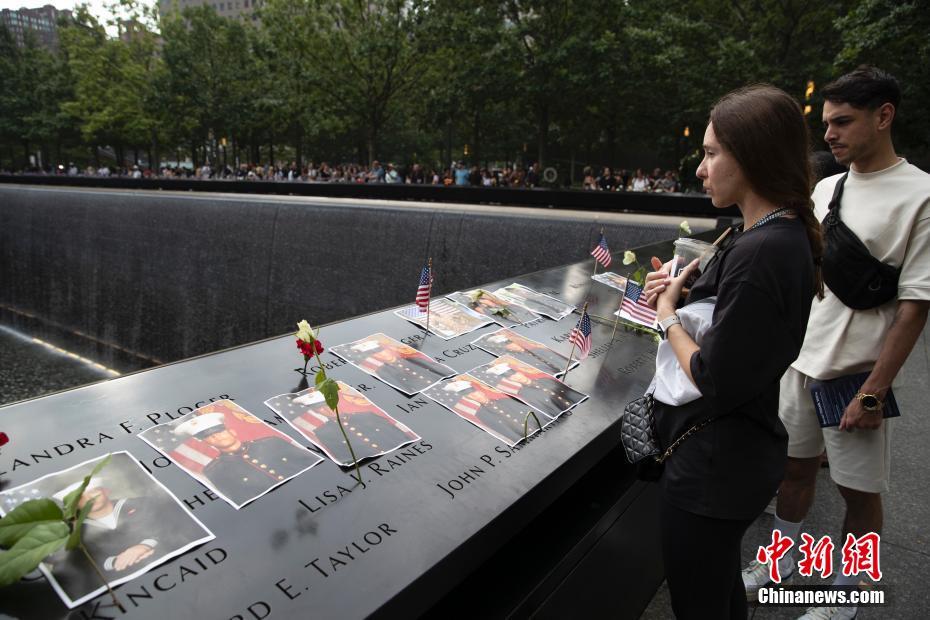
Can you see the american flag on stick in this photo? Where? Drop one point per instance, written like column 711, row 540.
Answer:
column 441, row 306
column 634, row 306
column 423, row 291
column 581, row 335
column 601, row 252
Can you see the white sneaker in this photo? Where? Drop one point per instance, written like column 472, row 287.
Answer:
column 830, row 613
column 756, row 575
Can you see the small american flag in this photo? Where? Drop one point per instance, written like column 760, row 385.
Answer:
column 423, row 291
column 438, row 306
column 581, row 335
column 634, row 306
column 601, row 252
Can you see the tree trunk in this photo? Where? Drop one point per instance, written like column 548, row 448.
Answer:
column 25, row 154
column 611, row 146
column 299, row 154
column 448, row 160
column 571, row 173
column 476, row 137
column 543, row 134
column 154, row 162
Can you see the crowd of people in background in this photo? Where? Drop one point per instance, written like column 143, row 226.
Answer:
column 623, row 180
column 460, row 174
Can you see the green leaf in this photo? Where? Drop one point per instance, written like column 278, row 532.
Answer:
column 23, row 558
column 71, row 499
column 75, row 538
column 330, row 390
column 320, row 378
column 26, row 516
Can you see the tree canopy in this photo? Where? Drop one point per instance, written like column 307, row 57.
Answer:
column 597, row 82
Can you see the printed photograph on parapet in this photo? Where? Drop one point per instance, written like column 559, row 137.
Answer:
column 611, row 279
column 391, row 361
column 447, row 320
column 371, row 431
column 498, row 309
column 491, row 410
column 539, row 390
column 534, row 301
column 230, row 451
column 536, row 354
column 134, row 524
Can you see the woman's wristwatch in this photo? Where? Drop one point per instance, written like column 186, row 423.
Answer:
column 666, row 323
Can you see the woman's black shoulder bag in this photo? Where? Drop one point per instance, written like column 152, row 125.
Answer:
column 857, row 278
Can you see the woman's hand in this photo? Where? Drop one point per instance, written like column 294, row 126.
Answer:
column 668, row 298
column 656, row 281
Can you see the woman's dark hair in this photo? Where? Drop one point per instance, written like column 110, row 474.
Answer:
column 763, row 127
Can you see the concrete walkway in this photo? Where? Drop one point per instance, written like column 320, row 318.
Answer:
column 905, row 544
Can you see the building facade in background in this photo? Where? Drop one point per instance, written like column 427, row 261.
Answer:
column 42, row 23
column 238, row 9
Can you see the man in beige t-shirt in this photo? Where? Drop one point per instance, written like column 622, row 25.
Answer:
column 886, row 203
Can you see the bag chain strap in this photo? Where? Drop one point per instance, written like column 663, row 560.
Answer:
column 685, row 435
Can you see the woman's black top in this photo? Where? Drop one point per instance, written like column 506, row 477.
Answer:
column 764, row 283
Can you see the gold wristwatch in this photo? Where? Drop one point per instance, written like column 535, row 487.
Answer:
column 870, row 402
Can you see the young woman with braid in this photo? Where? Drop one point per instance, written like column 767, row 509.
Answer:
column 721, row 477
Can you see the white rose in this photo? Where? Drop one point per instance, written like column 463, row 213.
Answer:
column 305, row 332
column 629, row 258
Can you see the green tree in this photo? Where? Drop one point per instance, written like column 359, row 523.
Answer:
column 33, row 84
column 556, row 43
column 894, row 37
column 205, row 87
column 113, row 85
column 360, row 57
column 469, row 76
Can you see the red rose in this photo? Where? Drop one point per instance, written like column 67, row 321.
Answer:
column 305, row 347
column 4, row 439
column 319, row 346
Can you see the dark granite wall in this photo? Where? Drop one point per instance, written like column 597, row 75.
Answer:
column 139, row 278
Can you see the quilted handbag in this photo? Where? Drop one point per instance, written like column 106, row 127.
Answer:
column 637, row 429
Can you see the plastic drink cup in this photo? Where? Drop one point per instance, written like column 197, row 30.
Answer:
column 686, row 250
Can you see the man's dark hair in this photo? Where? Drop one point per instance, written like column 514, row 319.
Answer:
column 867, row 87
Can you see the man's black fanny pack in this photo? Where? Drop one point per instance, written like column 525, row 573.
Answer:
column 857, row 278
